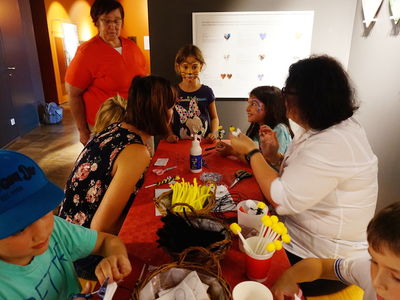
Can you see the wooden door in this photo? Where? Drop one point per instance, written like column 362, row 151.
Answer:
column 18, row 103
column 8, row 132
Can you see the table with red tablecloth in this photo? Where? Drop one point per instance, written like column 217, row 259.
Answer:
column 141, row 224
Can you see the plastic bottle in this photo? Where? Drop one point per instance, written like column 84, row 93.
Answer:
column 196, row 158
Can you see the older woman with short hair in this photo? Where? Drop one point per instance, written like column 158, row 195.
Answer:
column 327, row 185
column 102, row 67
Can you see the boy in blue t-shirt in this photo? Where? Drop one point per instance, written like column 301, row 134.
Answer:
column 37, row 249
column 377, row 273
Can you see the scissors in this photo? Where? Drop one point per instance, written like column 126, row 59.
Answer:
column 101, row 292
column 162, row 171
column 239, row 175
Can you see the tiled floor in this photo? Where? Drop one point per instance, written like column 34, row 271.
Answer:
column 54, row 147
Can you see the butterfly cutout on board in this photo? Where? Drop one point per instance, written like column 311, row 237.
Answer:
column 227, row 36
column 227, row 56
column 223, row 75
column 261, row 56
column 229, row 76
column 260, row 76
column 262, row 35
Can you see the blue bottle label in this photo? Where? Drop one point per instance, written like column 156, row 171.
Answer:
column 195, row 162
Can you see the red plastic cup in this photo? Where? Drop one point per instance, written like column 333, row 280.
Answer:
column 257, row 266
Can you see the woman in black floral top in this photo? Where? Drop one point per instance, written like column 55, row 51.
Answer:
column 110, row 169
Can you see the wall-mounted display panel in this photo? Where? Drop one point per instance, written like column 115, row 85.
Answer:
column 243, row 50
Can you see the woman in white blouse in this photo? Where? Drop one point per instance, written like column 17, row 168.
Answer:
column 327, row 185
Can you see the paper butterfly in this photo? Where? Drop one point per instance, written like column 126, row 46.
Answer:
column 223, row 75
column 263, row 35
column 227, row 36
column 260, row 76
column 229, row 76
column 226, row 56
column 261, row 56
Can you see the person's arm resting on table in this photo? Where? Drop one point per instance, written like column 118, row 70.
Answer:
column 214, row 121
column 306, row 270
column 115, row 264
column 262, row 171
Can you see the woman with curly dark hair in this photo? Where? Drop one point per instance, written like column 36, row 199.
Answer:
column 327, row 184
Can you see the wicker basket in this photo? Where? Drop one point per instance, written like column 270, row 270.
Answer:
column 163, row 203
column 208, row 222
column 218, row 288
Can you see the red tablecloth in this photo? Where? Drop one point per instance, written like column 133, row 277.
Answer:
column 139, row 229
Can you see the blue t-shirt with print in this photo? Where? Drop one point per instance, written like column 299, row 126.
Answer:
column 191, row 115
column 51, row 275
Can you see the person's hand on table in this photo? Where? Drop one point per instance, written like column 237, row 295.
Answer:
column 242, row 144
column 116, row 267
column 223, row 149
column 284, row 286
column 210, row 138
column 172, row 138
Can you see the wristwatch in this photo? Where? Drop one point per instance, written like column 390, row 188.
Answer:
column 250, row 154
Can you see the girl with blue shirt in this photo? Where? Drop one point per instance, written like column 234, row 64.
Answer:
column 265, row 106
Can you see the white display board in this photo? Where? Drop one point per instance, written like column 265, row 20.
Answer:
column 243, row 50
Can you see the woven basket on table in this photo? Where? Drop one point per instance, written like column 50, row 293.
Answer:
column 163, row 203
column 219, row 291
column 208, row 222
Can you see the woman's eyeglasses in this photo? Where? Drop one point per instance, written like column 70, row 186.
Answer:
column 107, row 22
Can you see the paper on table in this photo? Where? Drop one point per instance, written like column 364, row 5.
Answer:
column 110, row 291
column 223, row 199
column 158, row 192
column 161, row 162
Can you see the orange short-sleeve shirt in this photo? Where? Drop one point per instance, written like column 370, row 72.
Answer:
column 103, row 72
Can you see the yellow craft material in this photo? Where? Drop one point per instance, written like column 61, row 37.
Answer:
column 192, row 194
column 286, row 238
column 278, row 245
column 271, row 247
column 261, row 205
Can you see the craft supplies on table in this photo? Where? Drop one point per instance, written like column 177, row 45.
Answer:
column 240, row 175
column 166, row 180
column 169, row 277
column 248, row 218
column 162, row 171
column 251, row 290
column 161, row 162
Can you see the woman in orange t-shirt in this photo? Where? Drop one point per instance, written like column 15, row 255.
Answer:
column 102, row 67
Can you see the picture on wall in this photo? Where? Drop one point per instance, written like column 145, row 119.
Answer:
column 243, row 50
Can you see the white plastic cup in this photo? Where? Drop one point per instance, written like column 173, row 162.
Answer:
column 251, row 290
column 249, row 220
column 249, row 223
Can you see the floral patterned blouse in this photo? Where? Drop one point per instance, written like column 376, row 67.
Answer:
column 91, row 175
